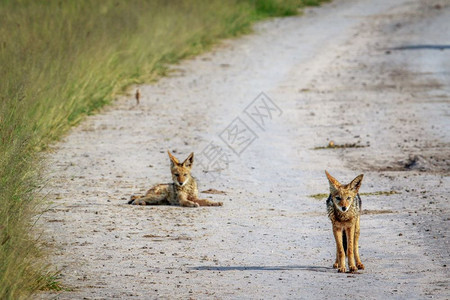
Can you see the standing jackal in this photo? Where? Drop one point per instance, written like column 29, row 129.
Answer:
column 183, row 191
column 344, row 209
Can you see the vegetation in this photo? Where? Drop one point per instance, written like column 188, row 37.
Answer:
column 332, row 145
column 63, row 60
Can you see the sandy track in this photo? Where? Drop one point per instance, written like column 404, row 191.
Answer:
column 334, row 75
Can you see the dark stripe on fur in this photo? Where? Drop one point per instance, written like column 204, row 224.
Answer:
column 359, row 202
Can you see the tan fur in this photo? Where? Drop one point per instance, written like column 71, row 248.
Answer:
column 183, row 191
column 344, row 209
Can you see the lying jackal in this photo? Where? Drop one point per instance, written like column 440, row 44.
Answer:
column 344, row 209
column 183, row 191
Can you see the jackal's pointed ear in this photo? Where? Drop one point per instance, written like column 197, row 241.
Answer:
column 189, row 161
column 173, row 160
column 356, row 183
column 334, row 184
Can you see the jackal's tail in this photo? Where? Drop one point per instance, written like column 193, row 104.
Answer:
column 132, row 198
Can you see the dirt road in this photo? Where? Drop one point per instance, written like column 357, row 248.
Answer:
column 371, row 76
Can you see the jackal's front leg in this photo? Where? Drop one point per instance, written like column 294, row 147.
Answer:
column 185, row 202
column 206, row 202
column 359, row 264
column 340, row 253
column 350, row 232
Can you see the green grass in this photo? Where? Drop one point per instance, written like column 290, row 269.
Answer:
column 63, row 60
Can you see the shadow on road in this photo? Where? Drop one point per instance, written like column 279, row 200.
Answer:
column 262, row 268
column 421, row 47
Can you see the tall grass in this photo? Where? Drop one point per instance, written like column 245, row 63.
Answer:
column 63, row 60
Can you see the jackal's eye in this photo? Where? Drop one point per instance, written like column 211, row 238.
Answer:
column 349, row 198
column 176, row 174
column 338, row 198
column 184, row 174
